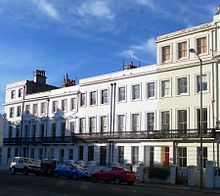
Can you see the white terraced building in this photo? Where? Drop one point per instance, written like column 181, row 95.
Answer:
column 148, row 115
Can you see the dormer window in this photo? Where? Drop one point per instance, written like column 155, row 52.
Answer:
column 165, row 54
column 201, row 45
column 182, row 50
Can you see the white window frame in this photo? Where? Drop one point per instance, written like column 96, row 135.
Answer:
column 124, row 123
column 35, row 113
column 187, row 49
column 19, row 111
column 73, row 103
column 155, row 89
column 64, row 105
column 84, row 127
column 101, row 98
column 55, row 107
column 177, row 118
column 170, row 119
column 92, row 129
column 106, row 127
column 90, row 98
column 72, row 124
column 20, row 92
column 207, row 44
column 140, row 92
column 198, row 81
column 11, row 112
column 125, row 100
column 139, row 123
column 161, row 87
column 161, row 54
column 13, row 94
column 80, row 101
column 146, row 117
column 43, row 109
column 177, row 85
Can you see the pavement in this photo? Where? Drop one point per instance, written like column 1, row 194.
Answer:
column 158, row 185
column 178, row 187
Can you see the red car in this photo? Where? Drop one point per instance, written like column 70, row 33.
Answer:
column 116, row 174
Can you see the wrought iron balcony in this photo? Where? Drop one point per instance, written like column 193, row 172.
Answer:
column 37, row 140
column 155, row 134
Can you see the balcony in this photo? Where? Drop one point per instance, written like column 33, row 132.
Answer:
column 171, row 135
column 155, row 134
column 36, row 140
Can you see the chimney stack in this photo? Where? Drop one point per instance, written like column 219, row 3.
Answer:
column 39, row 77
column 68, row 82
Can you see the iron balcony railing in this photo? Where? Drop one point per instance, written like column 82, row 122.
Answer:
column 155, row 134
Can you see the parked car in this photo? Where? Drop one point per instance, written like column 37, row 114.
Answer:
column 48, row 167
column 68, row 169
column 116, row 174
column 25, row 165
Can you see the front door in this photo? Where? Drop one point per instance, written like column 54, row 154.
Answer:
column 167, row 157
column 103, row 155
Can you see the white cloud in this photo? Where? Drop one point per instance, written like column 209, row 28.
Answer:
column 47, row 8
column 134, row 51
column 147, row 46
column 129, row 54
column 96, row 8
column 147, row 3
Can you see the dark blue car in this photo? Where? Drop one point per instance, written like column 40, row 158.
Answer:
column 71, row 170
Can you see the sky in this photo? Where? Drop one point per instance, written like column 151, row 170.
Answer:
column 86, row 38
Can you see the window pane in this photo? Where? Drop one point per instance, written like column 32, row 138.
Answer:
column 104, row 96
column 201, row 45
column 92, row 125
column 83, row 99
column 165, row 88
column 165, row 120
column 93, row 98
column 121, row 123
column 150, row 121
column 165, row 54
column 135, row 122
column 136, row 92
column 150, row 90
column 103, row 124
column 182, row 119
column 182, row 49
column 182, row 85
column 121, row 94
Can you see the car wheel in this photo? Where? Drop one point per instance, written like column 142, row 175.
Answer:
column 12, row 170
column 117, row 180
column 75, row 177
column 25, row 172
column 94, row 179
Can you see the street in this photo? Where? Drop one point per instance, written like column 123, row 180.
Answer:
column 37, row 185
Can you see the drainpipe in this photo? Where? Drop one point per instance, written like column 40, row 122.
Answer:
column 217, row 90
column 22, row 118
column 110, row 126
column 113, row 119
column 47, row 121
column 213, row 85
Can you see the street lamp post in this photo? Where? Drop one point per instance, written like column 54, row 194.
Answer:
column 201, row 119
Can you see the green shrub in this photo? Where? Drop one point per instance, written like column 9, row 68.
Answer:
column 158, row 172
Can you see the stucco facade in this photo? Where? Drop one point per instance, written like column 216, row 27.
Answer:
column 145, row 115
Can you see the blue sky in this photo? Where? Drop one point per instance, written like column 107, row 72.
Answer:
column 87, row 37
